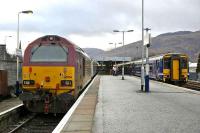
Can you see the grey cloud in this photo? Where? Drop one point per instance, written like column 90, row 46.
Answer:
column 174, row 15
column 100, row 16
column 90, row 18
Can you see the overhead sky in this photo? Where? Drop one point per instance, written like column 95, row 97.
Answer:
column 90, row 23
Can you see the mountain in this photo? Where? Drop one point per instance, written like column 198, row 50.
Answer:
column 94, row 52
column 175, row 42
column 175, row 33
column 178, row 42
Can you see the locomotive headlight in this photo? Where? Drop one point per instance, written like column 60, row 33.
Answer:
column 51, row 38
column 28, row 82
column 66, row 83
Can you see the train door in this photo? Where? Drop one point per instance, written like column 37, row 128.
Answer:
column 175, row 69
column 79, row 79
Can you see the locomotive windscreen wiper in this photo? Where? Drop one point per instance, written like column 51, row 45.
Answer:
column 36, row 49
column 63, row 47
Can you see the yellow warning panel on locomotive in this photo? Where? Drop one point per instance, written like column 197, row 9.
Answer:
column 48, row 77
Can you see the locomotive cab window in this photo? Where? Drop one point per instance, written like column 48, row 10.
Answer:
column 49, row 53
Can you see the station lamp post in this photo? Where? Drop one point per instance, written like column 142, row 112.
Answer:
column 147, row 44
column 142, row 47
column 17, row 50
column 115, row 48
column 124, row 50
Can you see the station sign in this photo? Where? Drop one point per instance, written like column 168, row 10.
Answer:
column 18, row 52
column 147, row 39
column 113, row 59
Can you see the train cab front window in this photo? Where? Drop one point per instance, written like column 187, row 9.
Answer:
column 167, row 63
column 184, row 63
column 49, row 53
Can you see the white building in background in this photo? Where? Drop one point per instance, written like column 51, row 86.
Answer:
column 192, row 71
column 192, row 67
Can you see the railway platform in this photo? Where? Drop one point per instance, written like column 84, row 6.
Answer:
column 8, row 104
column 122, row 108
column 82, row 118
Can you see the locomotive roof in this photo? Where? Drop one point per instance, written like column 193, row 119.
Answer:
column 58, row 38
column 81, row 51
column 53, row 39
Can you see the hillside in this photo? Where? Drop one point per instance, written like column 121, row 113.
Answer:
column 183, row 41
column 94, row 52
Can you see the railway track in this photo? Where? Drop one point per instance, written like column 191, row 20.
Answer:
column 194, row 85
column 22, row 121
column 15, row 126
column 34, row 123
column 40, row 123
column 19, row 120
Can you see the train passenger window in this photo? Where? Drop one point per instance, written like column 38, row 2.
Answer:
column 167, row 63
column 49, row 53
column 150, row 68
column 184, row 63
column 157, row 64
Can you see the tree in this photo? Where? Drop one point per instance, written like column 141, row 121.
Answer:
column 198, row 65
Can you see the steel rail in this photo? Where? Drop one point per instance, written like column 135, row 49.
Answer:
column 22, row 124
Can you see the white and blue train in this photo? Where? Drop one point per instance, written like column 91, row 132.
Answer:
column 170, row 67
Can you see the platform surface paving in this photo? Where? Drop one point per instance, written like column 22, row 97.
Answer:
column 123, row 108
column 9, row 103
column 82, row 119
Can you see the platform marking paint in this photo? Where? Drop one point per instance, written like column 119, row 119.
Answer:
column 6, row 111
